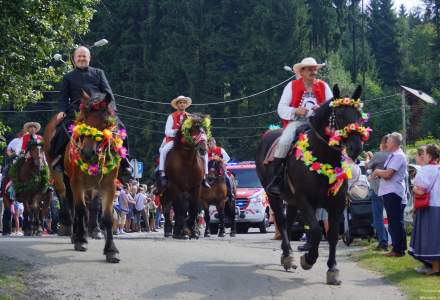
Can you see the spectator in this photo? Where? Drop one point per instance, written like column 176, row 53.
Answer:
column 377, row 161
column 141, row 200
column 420, row 156
column 123, row 209
column 17, row 212
column 158, row 207
column 130, row 192
column 425, row 240
column 152, row 212
column 392, row 189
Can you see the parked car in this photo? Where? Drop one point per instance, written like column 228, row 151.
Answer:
column 252, row 204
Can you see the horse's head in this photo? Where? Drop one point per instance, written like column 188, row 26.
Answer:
column 95, row 112
column 340, row 122
column 215, row 168
column 195, row 131
column 35, row 151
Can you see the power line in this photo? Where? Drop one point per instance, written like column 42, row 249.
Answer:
column 26, row 111
column 143, row 110
column 380, row 98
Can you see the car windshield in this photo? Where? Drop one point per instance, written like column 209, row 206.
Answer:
column 247, row 178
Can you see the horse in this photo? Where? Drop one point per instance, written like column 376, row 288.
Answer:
column 91, row 164
column 217, row 195
column 30, row 180
column 184, row 167
column 304, row 187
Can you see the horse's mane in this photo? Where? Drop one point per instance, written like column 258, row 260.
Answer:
column 321, row 115
column 197, row 117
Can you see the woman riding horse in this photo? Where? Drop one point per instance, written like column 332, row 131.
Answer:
column 315, row 175
column 185, row 171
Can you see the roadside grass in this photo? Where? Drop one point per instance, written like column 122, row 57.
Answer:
column 11, row 279
column 401, row 271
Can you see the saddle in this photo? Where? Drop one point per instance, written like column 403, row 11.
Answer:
column 270, row 155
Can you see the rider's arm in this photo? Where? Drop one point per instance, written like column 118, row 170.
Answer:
column 328, row 92
column 225, row 155
column 63, row 100
column 285, row 111
column 169, row 131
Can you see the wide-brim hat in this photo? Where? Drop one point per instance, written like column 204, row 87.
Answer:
column 306, row 62
column 181, row 98
column 30, row 124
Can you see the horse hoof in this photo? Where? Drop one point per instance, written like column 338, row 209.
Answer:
column 82, row 247
column 96, row 235
column 288, row 262
column 180, row 236
column 65, row 230
column 194, row 236
column 112, row 258
column 304, row 263
column 232, row 234
column 168, row 234
column 221, row 234
column 333, row 277
column 206, row 234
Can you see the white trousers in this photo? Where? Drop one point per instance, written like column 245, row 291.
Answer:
column 165, row 148
column 287, row 138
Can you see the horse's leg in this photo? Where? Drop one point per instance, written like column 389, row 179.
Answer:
column 193, row 213
column 334, row 216
column 221, row 218
column 287, row 259
column 27, row 219
column 94, row 231
column 291, row 214
column 110, row 251
column 207, row 220
column 80, row 231
column 168, row 226
column 7, row 216
column 231, row 211
column 65, row 199
column 315, row 233
column 180, row 214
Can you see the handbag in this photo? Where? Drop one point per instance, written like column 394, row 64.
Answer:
column 422, row 200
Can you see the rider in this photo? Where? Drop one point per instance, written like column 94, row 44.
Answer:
column 215, row 152
column 299, row 99
column 30, row 129
column 174, row 121
column 81, row 79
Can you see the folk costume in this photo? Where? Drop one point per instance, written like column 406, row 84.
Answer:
column 27, row 136
column 218, row 152
column 172, row 126
column 296, row 95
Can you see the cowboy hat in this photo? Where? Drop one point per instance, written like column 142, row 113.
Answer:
column 30, row 124
column 181, row 98
column 306, row 62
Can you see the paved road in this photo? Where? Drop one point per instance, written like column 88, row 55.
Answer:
column 244, row 267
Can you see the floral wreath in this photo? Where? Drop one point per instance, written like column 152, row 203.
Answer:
column 343, row 133
column 188, row 123
column 110, row 149
column 336, row 176
column 37, row 181
column 337, row 135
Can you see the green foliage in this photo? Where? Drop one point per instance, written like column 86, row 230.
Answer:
column 30, row 33
column 3, row 130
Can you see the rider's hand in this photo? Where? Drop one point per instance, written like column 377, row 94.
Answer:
column 301, row 111
column 60, row 116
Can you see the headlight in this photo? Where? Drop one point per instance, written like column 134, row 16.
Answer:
column 257, row 199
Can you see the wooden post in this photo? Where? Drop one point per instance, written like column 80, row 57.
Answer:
column 404, row 119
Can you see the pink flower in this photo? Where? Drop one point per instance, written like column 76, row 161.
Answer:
column 93, row 169
column 122, row 151
column 71, row 128
column 123, row 133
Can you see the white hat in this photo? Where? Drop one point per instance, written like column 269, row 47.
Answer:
column 306, row 62
column 181, row 98
column 30, row 124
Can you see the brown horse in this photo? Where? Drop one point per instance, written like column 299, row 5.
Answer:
column 184, row 167
column 91, row 169
column 30, row 178
column 218, row 195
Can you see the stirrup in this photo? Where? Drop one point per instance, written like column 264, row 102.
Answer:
column 205, row 183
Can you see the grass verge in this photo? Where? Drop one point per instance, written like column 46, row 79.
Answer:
column 401, row 271
column 11, row 279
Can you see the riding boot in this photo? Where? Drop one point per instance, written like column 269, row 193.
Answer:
column 274, row 186
column 205, row 183
column 161, row 181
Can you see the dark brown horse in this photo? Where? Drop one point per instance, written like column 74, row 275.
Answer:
column 217, row 195
column 184, row 168
column 306, row 189
column 91, row 169
column 30, row 178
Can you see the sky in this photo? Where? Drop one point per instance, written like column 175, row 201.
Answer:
column 408, row 3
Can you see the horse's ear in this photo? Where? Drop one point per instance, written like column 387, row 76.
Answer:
column 357, row 93
column 108, row 98
column 336, row 92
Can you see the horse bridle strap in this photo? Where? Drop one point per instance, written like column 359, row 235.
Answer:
column 316, row 132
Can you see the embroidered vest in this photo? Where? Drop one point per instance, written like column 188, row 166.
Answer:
column 298, row 89
column 216, row 151
column 178, row 118
column 25, row 140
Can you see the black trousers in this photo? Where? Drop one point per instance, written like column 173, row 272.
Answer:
column 396, row 226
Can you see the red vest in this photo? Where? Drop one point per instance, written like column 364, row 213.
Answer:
column 178, row 118
column 25, row 140
column 298, row 90
column 216, row 151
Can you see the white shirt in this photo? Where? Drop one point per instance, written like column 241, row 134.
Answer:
column 169, row 131
column 286, row 112
column 225, row 155
column 140, row 201
column 15, row 145
column 425, row 179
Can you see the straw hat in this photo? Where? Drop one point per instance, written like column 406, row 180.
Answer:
column 30, row 124
column 181, row 98
column 306, row 62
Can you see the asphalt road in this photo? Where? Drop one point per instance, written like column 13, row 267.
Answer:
column 151, row 267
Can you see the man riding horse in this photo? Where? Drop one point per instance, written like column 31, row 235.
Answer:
column 215, row 152
column 174, row 122
column 82, row 79
column 299, row 99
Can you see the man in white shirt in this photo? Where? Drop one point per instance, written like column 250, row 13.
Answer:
column 299, row 99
